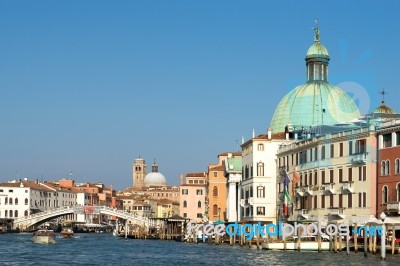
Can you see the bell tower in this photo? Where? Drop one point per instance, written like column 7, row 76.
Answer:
column 139, row 170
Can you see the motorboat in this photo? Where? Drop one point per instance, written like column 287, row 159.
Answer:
column 67, row 233
column 44, row 236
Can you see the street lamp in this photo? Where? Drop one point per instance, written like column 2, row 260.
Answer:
column 383, row 236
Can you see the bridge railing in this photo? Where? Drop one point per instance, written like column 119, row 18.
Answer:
column 43, row 213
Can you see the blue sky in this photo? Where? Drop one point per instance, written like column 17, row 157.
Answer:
column 88, row 86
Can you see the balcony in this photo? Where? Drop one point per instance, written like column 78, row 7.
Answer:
column 360, row 158
column 309, row 190
column 329, row 188
column 299, row 191
column 338, row 212
column 347, row 188
column 304, row 213
column 393, row 207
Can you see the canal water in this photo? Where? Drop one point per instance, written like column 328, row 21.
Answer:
column 105, row 249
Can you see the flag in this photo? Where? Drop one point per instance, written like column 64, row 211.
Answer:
column 286, row 195
column 296, row 177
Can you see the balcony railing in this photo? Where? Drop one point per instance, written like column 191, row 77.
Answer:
column 360, row 158
column 336, row 212
column 393, row 207
column 329, row 188
column 347, row 187
column 299, row 191
column 304, row 213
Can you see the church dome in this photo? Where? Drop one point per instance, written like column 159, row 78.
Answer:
column 154, row 178
column 383, row 109
column 316, row 102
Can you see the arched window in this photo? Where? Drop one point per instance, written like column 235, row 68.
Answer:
column 6, row 214
column 15, row 213
column 16, row 201
column 260, row 147
column 260, row 192
column 383, row 168
column 6, row 201
column 215, row 191
column 26, row 213
column 384, row 194
column 397, row 170
column 199, row 204
column 398, row 192
column 11, row 213
column 184, row 204
column 387, row 167
column 26, row 201
column 260, row 169
column 10, row 202
column 215, row 209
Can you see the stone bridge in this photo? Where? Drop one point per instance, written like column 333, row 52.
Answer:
column 25, row 222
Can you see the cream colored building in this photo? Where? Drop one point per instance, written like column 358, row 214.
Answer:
column 257, row 190
column 337, row 176
column 167, row 208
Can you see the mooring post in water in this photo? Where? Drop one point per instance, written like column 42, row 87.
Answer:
column 365, row 240
column 355, row 236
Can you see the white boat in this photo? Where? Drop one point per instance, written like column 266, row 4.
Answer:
column 44, row 236
column 67, row 233
column 307, row 243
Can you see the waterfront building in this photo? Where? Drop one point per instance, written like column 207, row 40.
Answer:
column 332, row 173
column 216, row 198
column 167, row 208
column 193, row 197
column 233, row 174
column 257, row 189
column 22, row 198
column 388, row 190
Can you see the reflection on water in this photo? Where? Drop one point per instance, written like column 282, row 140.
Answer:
column 95, row 249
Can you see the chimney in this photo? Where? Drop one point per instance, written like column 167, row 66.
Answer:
column 181, row 178
column 287, row 135
column 269, row 133
column 254, row 133
column 242, row 139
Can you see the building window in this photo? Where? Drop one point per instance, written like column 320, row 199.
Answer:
column 215, row 191
column 350, row 147
column 10, row 201
column 260, row 147
column 331, row 201
column 260, row 192
column 16, row 213
column 315, row 154
column 398, row 192
column 349, row 200
column 190, row 181
column 184, row 192
column 387, row 167
column 340, row 200
column 397, row 166
column 199, row 215
column 26, row 213
column 323, row 201
column 323, row 153
column 184, row 204
column 340, row 175
column 6, row 213
column 185, row 215
column 387, row 140
column 315, row 202
column 260, row 169
column 331, row 176
column 260, row 210
column 350, row 174
column 215, row 174
column 397, row 138
column 199, row 204
column 383, row 168
column 215, row 209
column 364, row 199
column 199, row 192
column 323, row 176
column 384, row 194
column 332, row 150
column 341, row 149
column 16, row 201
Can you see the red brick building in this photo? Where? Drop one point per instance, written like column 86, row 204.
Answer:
column 388, row 191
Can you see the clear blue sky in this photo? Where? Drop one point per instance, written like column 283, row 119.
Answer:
column 88, row 86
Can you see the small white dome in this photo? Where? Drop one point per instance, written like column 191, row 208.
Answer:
column 154, row 179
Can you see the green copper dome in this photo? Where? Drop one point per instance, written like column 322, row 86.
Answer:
column 317, row 50
column 316, row 102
